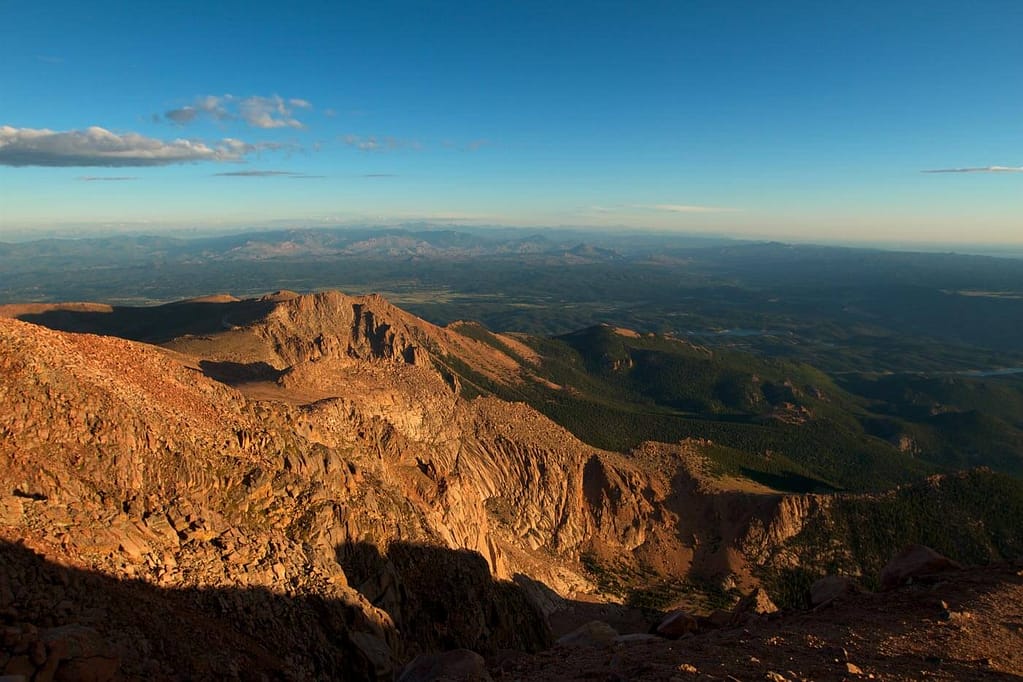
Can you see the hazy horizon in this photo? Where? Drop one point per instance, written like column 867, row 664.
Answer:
column 201, row 232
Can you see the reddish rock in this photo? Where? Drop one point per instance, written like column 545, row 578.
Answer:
column 756, row 603
column 460, row 665
column 595, row 634
column 719, row 618
column 830, row 588
column 913, row 562
column 676, row 624
column 93, row 669
column 82, row 652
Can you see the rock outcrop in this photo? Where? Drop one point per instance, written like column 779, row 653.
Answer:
column 914, row 561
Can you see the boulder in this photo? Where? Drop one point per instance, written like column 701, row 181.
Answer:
column 756, row 603
column 595, row 634
column 631, row 638
column 82, row 653
column 459, row 665
column 913, row 562
column 830, row 588
column 376, row 652
column 719, row 618
column 676, row 624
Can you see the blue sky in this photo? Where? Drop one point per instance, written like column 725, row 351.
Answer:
column 802, row 120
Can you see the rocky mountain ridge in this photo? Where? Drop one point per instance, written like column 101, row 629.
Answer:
column 317, row 448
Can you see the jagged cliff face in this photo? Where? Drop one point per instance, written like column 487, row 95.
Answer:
column 334, row 470
column 331, row 325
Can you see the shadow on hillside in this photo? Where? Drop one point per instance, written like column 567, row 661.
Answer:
column 444, row 598
column 154, row 324
column 788, row 481
column 239, row 372
column 438, row 599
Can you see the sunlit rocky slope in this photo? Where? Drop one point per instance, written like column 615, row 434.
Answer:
column 299, row 486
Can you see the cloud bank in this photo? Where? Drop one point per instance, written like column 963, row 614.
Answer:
column 258, row 112
column 981, row 169
column 97, row 146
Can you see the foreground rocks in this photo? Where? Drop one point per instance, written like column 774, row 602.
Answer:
column 832, row 587
column 677, row 623
column 915, row 561
column 903, row 635
column 67, row 652
column 595, row 634
column 460, row 665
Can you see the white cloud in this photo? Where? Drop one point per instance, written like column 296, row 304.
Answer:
column 209, row 105
column 106, row 178
column 258, row 112
column 269, row 112
column 982, row 169
column 97, row 146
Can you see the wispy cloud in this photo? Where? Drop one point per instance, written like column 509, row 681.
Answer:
column 265, row 174
column 981, row 169
column 97, row 146
column 685, row 208
column 662, row 208
column 470, row 146
column 106, row 178
column 256, row 111
column 379, row 175
column 373, row 143
column 49, row 59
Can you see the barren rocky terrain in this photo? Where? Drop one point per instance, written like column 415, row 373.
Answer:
column 298, row 487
